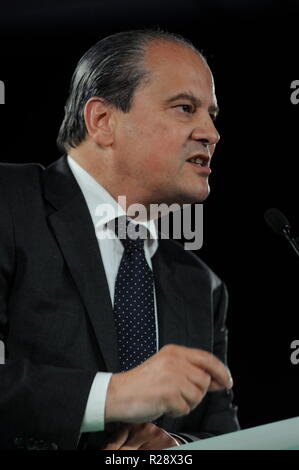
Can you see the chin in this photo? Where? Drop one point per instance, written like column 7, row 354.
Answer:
column 196, row 196
column 184, row 195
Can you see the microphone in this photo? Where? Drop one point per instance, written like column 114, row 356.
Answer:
column 280, row 225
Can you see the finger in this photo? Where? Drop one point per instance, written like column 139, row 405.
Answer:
column 212, row 365
column 161, row 442
column 118, row 438
column 192, row 394
column 178, row 407
column 198, row 377
column 204, row 381
column 150, row 437
column 140, row 434
column 214, row 386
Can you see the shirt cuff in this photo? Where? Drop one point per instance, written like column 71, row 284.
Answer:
column 178, row 437
column 94, row 416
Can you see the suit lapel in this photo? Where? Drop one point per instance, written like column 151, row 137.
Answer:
column 184, row 315
column 75, row 234
column 170, row 307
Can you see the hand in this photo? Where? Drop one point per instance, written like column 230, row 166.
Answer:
column 173, row 381
column 142, row 436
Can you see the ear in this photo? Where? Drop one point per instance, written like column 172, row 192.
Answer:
column 99, row 120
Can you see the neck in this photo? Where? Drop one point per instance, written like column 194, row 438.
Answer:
column 124, row 190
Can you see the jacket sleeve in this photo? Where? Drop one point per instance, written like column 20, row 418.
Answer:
column 41, row 406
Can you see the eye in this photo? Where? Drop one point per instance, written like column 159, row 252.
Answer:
column 186, row 108
column 213, row 117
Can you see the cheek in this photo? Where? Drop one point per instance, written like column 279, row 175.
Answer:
column 155, row 148
column 160, row 161
column 163, row 147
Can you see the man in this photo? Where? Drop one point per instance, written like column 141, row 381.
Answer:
column 141, row 105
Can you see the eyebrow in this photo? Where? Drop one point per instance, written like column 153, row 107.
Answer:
column 213, row 109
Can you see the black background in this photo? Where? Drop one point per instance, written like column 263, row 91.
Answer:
column 251, row 47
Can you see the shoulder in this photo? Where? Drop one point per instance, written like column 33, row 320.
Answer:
column 19, row 172
column 18, row 179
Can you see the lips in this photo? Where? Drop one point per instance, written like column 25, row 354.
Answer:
column 199, row 159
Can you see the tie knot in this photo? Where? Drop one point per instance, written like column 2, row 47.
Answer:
column 131, row 235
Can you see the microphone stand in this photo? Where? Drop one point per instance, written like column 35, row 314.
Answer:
column 294, row 242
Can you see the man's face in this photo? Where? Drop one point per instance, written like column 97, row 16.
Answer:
column 171, row 120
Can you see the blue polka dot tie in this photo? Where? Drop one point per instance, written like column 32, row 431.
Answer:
column 134, row 312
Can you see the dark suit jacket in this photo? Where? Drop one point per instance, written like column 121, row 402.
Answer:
column 56, row 317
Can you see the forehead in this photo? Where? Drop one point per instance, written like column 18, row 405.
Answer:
column 175, row 68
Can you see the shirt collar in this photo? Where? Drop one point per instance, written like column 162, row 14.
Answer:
column 98, row 198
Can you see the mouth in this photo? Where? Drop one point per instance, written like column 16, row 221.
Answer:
column 200, row 159
column 201, row 164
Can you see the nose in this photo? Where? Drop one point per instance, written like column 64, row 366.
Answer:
column 206, row 132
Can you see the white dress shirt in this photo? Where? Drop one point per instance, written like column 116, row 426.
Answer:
column 111, row 249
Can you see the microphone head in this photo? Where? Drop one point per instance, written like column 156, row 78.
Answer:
column 276, row 220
